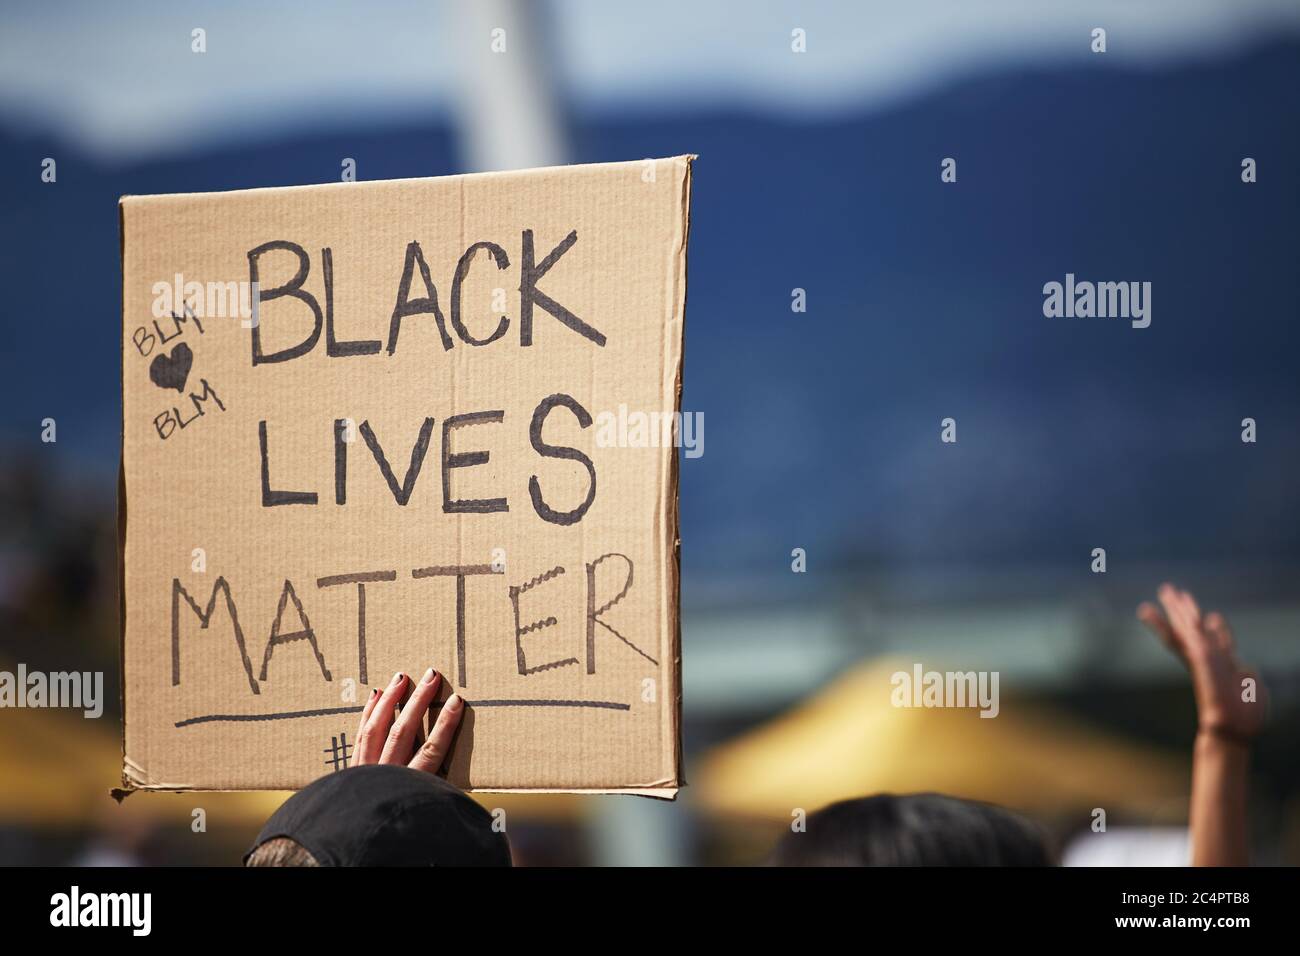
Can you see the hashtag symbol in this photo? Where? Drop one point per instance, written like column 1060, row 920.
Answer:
column 339, row 751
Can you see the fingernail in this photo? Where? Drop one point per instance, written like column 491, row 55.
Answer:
column 375, row 692
column 397, row 679
column 429, row 675
column 454, row 703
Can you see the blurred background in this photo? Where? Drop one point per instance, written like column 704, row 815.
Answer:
column 818, row 171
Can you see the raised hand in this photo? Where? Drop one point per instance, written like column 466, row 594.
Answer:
column 1228, row 704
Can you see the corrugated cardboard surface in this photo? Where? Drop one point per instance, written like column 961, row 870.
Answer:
column 605, row 715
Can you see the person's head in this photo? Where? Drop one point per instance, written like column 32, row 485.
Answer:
column 380, row 815
column 923, row 829
column 280, row 851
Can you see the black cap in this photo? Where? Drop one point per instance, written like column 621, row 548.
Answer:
column 382, row 815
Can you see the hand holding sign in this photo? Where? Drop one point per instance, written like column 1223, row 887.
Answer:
column 383, row 738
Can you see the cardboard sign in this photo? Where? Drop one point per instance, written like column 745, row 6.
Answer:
column 371, row 427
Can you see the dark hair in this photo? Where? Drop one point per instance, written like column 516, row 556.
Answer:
column 281, row 851
column 922, row 829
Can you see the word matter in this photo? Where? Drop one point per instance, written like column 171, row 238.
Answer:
column 596, row 607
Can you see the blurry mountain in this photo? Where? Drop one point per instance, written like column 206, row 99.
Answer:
column 924, row 301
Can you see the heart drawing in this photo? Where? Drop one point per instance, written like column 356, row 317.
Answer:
column 171, row 371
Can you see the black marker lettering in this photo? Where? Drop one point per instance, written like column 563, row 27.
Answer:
column 530, row 294
column 408, row 306
column 459, row 572
column 401, row 494
column 166, row 418
column 594, row 613
column 163, row 337
column 207, row 393
column 205, row 618
column 465, row 460
column 340, row 461
column 462, row 269
column 520, row 631
column 185, row 422
column 177, row 322
column 143, row 341
column 187, row 314
column 305, row 634
column 291, row 288
column 333, row 347
column 545, row 511
column 360, row 579
column 272, row 498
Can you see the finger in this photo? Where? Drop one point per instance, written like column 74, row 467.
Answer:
column 1150, row 615
column 361, row 724
column 1185, row 628
column 404, row 696
column 1167, row 595
column 1200, row 642
column 401, row 739
column 371, row 737
column 1193, row 609
column 419, row 719
column 430, row 756
column 1220, row 632
column 1171, row 600
column 408, row 688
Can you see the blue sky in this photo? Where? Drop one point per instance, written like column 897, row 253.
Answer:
column 818, row 171
column 119, row 80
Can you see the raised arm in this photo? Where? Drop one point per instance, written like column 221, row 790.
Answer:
column 1230, row 707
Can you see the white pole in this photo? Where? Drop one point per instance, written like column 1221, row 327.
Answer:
column 508, row 106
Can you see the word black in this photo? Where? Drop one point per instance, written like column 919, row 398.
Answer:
column 530, row 297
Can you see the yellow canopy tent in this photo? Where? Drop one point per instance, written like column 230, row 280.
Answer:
column 57, row 769
column 849, row 740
